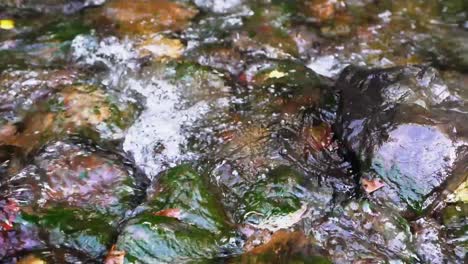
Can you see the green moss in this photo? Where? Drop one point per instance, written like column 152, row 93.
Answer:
column 281, row 193
column 149, row 239
column 183, row 188
column 86, row 231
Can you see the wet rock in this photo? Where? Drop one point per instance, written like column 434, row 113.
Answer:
column 211, row 29
column 79, row 109
column 31, row 259
column 219, row 6
column 45, row 43
column 148, row 238
column 363, row 231
column 30, row 137
column 145, row 17
column 199, row 230
column 400, row 128
column 285, row 247
column 84, row 106
column 86, row 231
column 52, row 6
column 74, row 196
column 250, row 149
column 454, row 218
column 218, row 57
column 282, row 199
column 16, row 234
column 80, row 177
column 430, row 242
column 449, row 51
column 185, row 189
column 292, row 86
column 454, row 11
column 266, row 33
column 49, row 254
column 21, row 90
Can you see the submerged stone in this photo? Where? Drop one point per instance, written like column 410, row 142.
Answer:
column 86, row 231
column 183, row 188
column 363, row 231
column 181, row 221
column 454, row 218
column 16, row 234
column 83, row 178
column 399, row 126
column 285, row 247
column 282, row 199
column 52, row 6
column 75, row 198
column 78, row 109
column 148, row 238
column 145, row 17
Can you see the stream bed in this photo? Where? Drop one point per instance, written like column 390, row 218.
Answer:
column 233, row 131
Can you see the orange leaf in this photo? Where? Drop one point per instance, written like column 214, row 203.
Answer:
column 318, row 137
column 170, row 212
column 371, row 185
column 115, row 256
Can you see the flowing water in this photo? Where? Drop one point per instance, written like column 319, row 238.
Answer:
column 233, row 131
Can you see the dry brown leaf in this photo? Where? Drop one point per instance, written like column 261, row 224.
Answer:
column 115, row 256
column 371, row 186
column 161, row 48
column 170, row 212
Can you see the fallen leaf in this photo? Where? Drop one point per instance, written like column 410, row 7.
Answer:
column 276, row 74
column 7, row 24
column 31, row 259
column 161, row 48
column 371, row 186
column 115, row 256
column 170, row 212
column 318, row 137
column 461, row 193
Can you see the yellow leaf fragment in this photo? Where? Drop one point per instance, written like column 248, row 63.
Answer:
column 7, row 24
column 161, row 47
column 276, row 74
column 461, row 193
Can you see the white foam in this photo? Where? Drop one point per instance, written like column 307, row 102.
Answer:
column 157, row 139
column 219, row 6
column 110, row 51
column 327, row 66
column 160, row 126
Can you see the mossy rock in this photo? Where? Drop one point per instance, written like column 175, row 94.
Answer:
column 183, row 188
column 280, row 200
column 80, row 177
column 148, row 238
column 85, row 231
column 142, row 17
column 182, row 221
